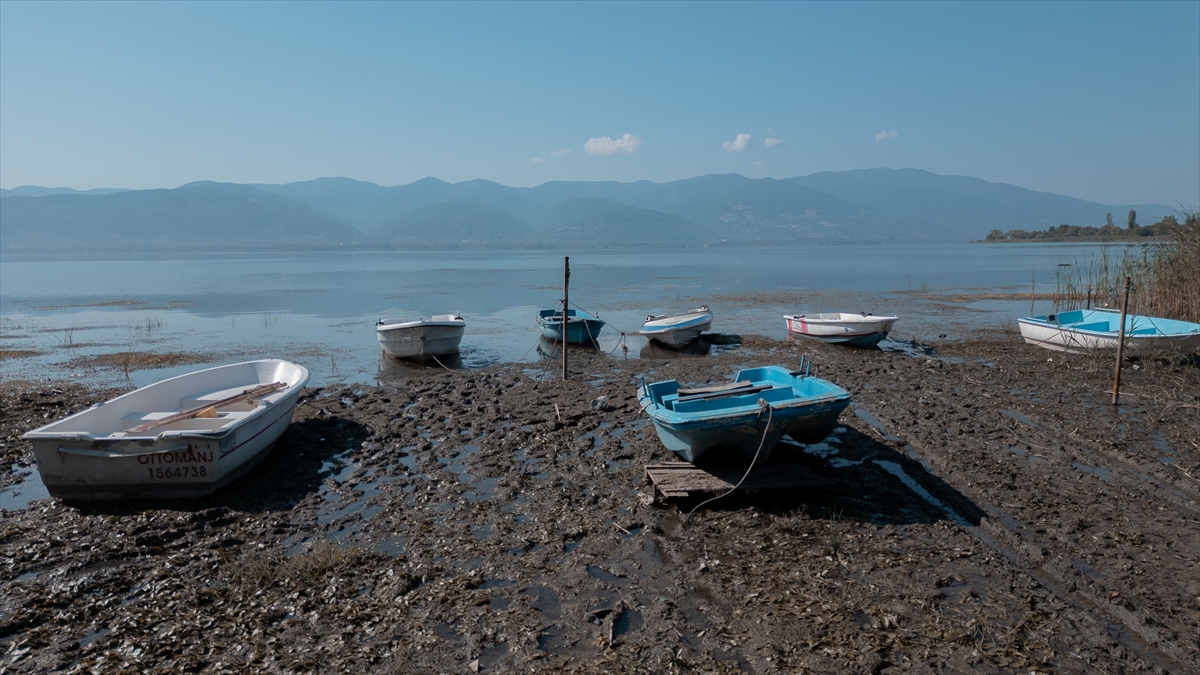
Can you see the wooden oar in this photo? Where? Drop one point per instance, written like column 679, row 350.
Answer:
column 210, row 409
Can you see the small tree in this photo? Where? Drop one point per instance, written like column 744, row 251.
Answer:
column 1108, row 219
column 1132, row 219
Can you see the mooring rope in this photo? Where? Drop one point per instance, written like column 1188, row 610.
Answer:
column 762, row 403
column 437, row 361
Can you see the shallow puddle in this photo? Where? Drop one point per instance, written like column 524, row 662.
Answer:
column 899, row 472
column 1097, row 471
column 20, row 495
column 1020, row 418
column 865, row 415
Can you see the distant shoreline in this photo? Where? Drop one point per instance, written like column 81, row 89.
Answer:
column 1077, row 240
column 351, row 248
column 557, row 246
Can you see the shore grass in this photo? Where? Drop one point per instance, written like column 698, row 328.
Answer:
column 1165, row 276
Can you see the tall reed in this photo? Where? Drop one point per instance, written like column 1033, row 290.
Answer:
column 1165, row 276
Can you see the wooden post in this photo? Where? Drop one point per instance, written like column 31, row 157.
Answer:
column 1089, row 299
column 563, row 323
column 1120, row 344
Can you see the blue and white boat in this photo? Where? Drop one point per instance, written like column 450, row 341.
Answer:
column 1085, row 330
column 581, row 326
column 770, row 401
column 678, row 330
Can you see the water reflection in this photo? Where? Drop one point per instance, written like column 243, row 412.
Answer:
column 392, row 369
column 548, row 350
column 659, row 350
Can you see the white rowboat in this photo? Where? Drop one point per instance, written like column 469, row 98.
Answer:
column 440, row 335
column 858, row 330
column 678, row 330
column 182, row 437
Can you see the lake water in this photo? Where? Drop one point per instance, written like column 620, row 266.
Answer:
column 319, row 308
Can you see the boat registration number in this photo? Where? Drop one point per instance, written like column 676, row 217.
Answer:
column 166, row 472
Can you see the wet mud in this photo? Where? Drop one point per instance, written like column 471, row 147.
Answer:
column 989, row 512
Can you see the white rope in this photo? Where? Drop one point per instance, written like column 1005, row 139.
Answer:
column 761, row 404
column 435, row 358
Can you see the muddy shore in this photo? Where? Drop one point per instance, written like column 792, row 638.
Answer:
column 988, row 511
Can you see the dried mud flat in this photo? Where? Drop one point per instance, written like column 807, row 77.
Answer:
column 989, row 512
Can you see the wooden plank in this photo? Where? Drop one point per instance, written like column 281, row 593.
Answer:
column 204, row 409
column 721, row 394
column 680, row 479
column 741, row 384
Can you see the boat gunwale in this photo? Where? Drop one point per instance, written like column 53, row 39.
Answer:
column 648, row 328
column 734, row 412
column 265, row 403
column 865, row 318
column 554, row 316
column 658, row 411
column 382, row 326
column 1069, row 328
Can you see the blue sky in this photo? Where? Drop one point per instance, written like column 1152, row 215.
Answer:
column 1100, row 101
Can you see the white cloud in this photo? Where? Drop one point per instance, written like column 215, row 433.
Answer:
column 885, row 134
column 771, row 142
column 534, row 161
column 738, row 144
column 604, row 145
column 559, row 152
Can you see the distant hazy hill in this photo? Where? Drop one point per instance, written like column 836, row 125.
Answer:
column 599, row 221
column 873, row 205
column 749, row 210
column 196, row 216
column 459, row 223
column 35, row 191
column 969, row 205
column 368, row 206
column 728, row 208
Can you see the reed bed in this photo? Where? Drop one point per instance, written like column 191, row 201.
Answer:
column 1165, row 276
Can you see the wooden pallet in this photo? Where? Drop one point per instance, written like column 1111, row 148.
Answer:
column 681, row 479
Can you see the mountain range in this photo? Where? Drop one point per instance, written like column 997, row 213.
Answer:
column 861, row 206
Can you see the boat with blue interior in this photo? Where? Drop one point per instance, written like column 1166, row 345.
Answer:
column 1085, row 330
column 582, row 327
column 746, row 417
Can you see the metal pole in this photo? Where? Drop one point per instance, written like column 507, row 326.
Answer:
column 1120, row 344
column 563, row 323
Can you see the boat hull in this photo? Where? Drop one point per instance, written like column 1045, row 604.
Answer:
column 190, row 458
column 1084, row 331
column 855, row 330
column 807, row 409
column 581, row 327
column 677, row 331
column 436, row 338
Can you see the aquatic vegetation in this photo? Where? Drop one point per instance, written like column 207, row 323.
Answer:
column 1165, row 277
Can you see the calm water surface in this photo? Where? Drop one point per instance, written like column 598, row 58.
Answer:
column 319, row 308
